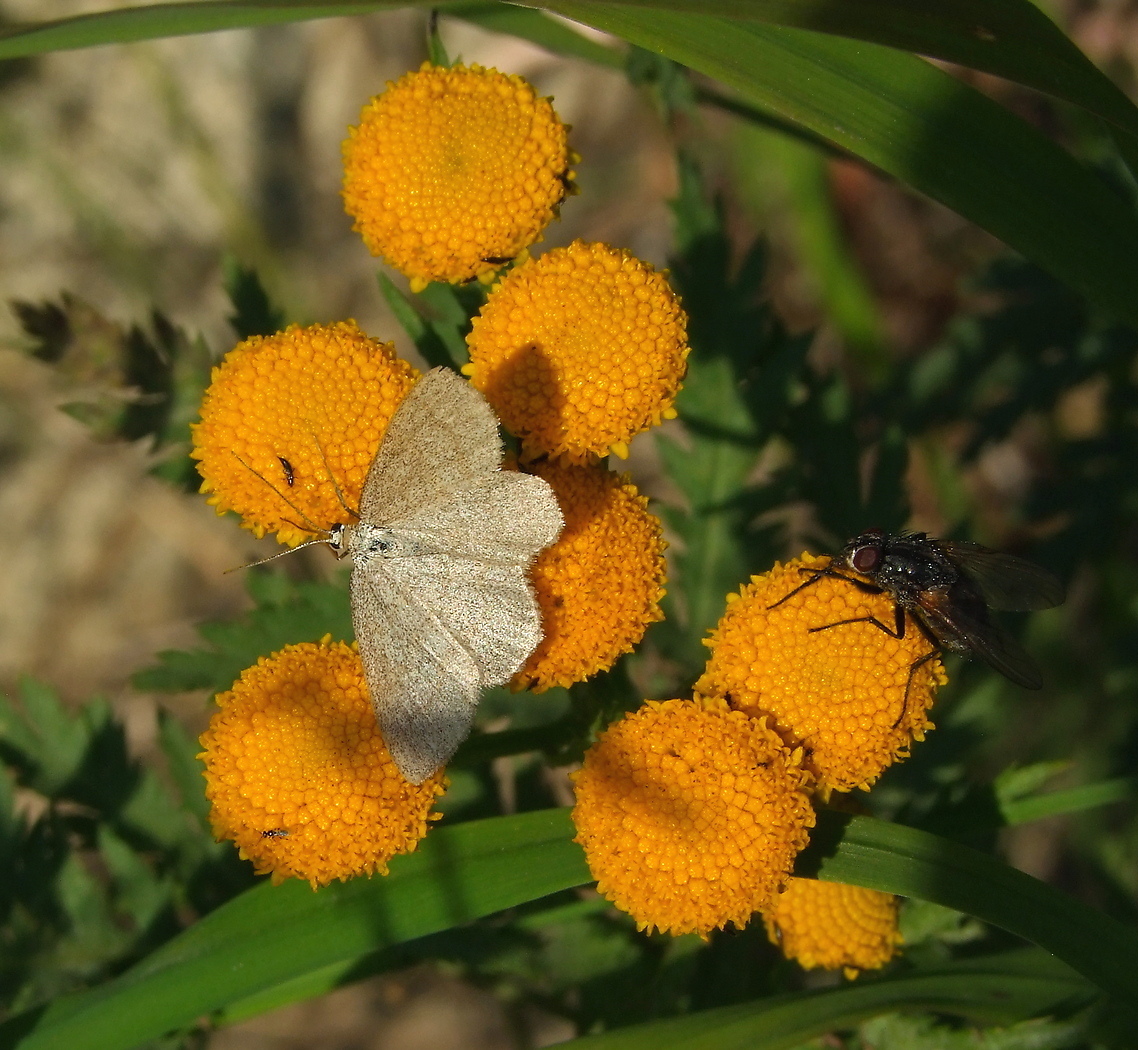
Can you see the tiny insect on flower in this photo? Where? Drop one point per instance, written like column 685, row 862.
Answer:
column 289, row 472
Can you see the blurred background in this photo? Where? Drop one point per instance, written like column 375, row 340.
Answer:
column 129, row 174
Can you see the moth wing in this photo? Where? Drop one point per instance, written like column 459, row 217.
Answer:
column 487, row 608
column 506, row 517
column 443, row 436
column 424, row 684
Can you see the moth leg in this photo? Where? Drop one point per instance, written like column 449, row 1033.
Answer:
column 331, row 476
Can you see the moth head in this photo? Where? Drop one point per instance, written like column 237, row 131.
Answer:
column 337, row 540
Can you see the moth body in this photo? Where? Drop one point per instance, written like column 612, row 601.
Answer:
column 441, row 600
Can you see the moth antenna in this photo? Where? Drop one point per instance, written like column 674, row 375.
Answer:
column 332, row 477
column 309, row 524
column 279, row 554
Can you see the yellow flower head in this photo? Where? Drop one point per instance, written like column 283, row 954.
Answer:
column 690, row 818
column 834, row 926
column 454, row 171
column 298, row 775
column 298, row 415
column 852, row 696
column 600, row 584
column 579, row 350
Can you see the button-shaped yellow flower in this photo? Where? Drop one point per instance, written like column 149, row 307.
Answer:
column 690, row 818
column 833, row 926
column 599, row 585
column 298, row 775
column 291, row 422
column 852, row 696
column 580, row 350
column 452, row 172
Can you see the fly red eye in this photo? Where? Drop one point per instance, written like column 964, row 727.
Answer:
column 865, row 559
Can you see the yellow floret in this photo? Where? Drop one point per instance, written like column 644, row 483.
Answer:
column 298, row 775
column 599, row 585
column 290, row 418
column 690, row 819
column 579, row 351
column 851, row 695
column 834, row 926
column 454, row 171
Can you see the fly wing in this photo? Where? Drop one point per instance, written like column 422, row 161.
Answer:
column 443, row 437
column 1000, row 650
column 424, row 685
column 1003, row 580
column 966, row 627
column 434, row 630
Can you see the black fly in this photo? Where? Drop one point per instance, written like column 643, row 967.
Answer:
column 949, row 586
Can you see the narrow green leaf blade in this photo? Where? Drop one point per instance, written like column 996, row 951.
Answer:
column 995, row 990
column 1070, row 800
column 1009, row 38
column 130, row 24
column 915, row 122
column 273, row 934
column 896, row 859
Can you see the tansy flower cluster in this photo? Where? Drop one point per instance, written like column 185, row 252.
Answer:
column 579, row 351
column 600, row 584
column 290, row 424
column 798, row 660
column 450, row 174
column 833, row 926
column 691, row 818
column 851, row 695
column 298, row 775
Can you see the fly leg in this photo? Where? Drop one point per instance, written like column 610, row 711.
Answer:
column 919, row 662
column 897, row 631
column 816, row 575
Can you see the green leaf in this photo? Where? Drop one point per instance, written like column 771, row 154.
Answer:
column 297, row 613
column 895, row 859
column 440, row 339
column 788, row 177
column 1010, row 38
column 127, row 25
column 539, row 28
column 917, row 123
column 1069, row 800
column 741, row 372
column 253, row 311
column 43, row 736
column 274, row 934
column 185, row 770
column 450, row 308
column 999, row 989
